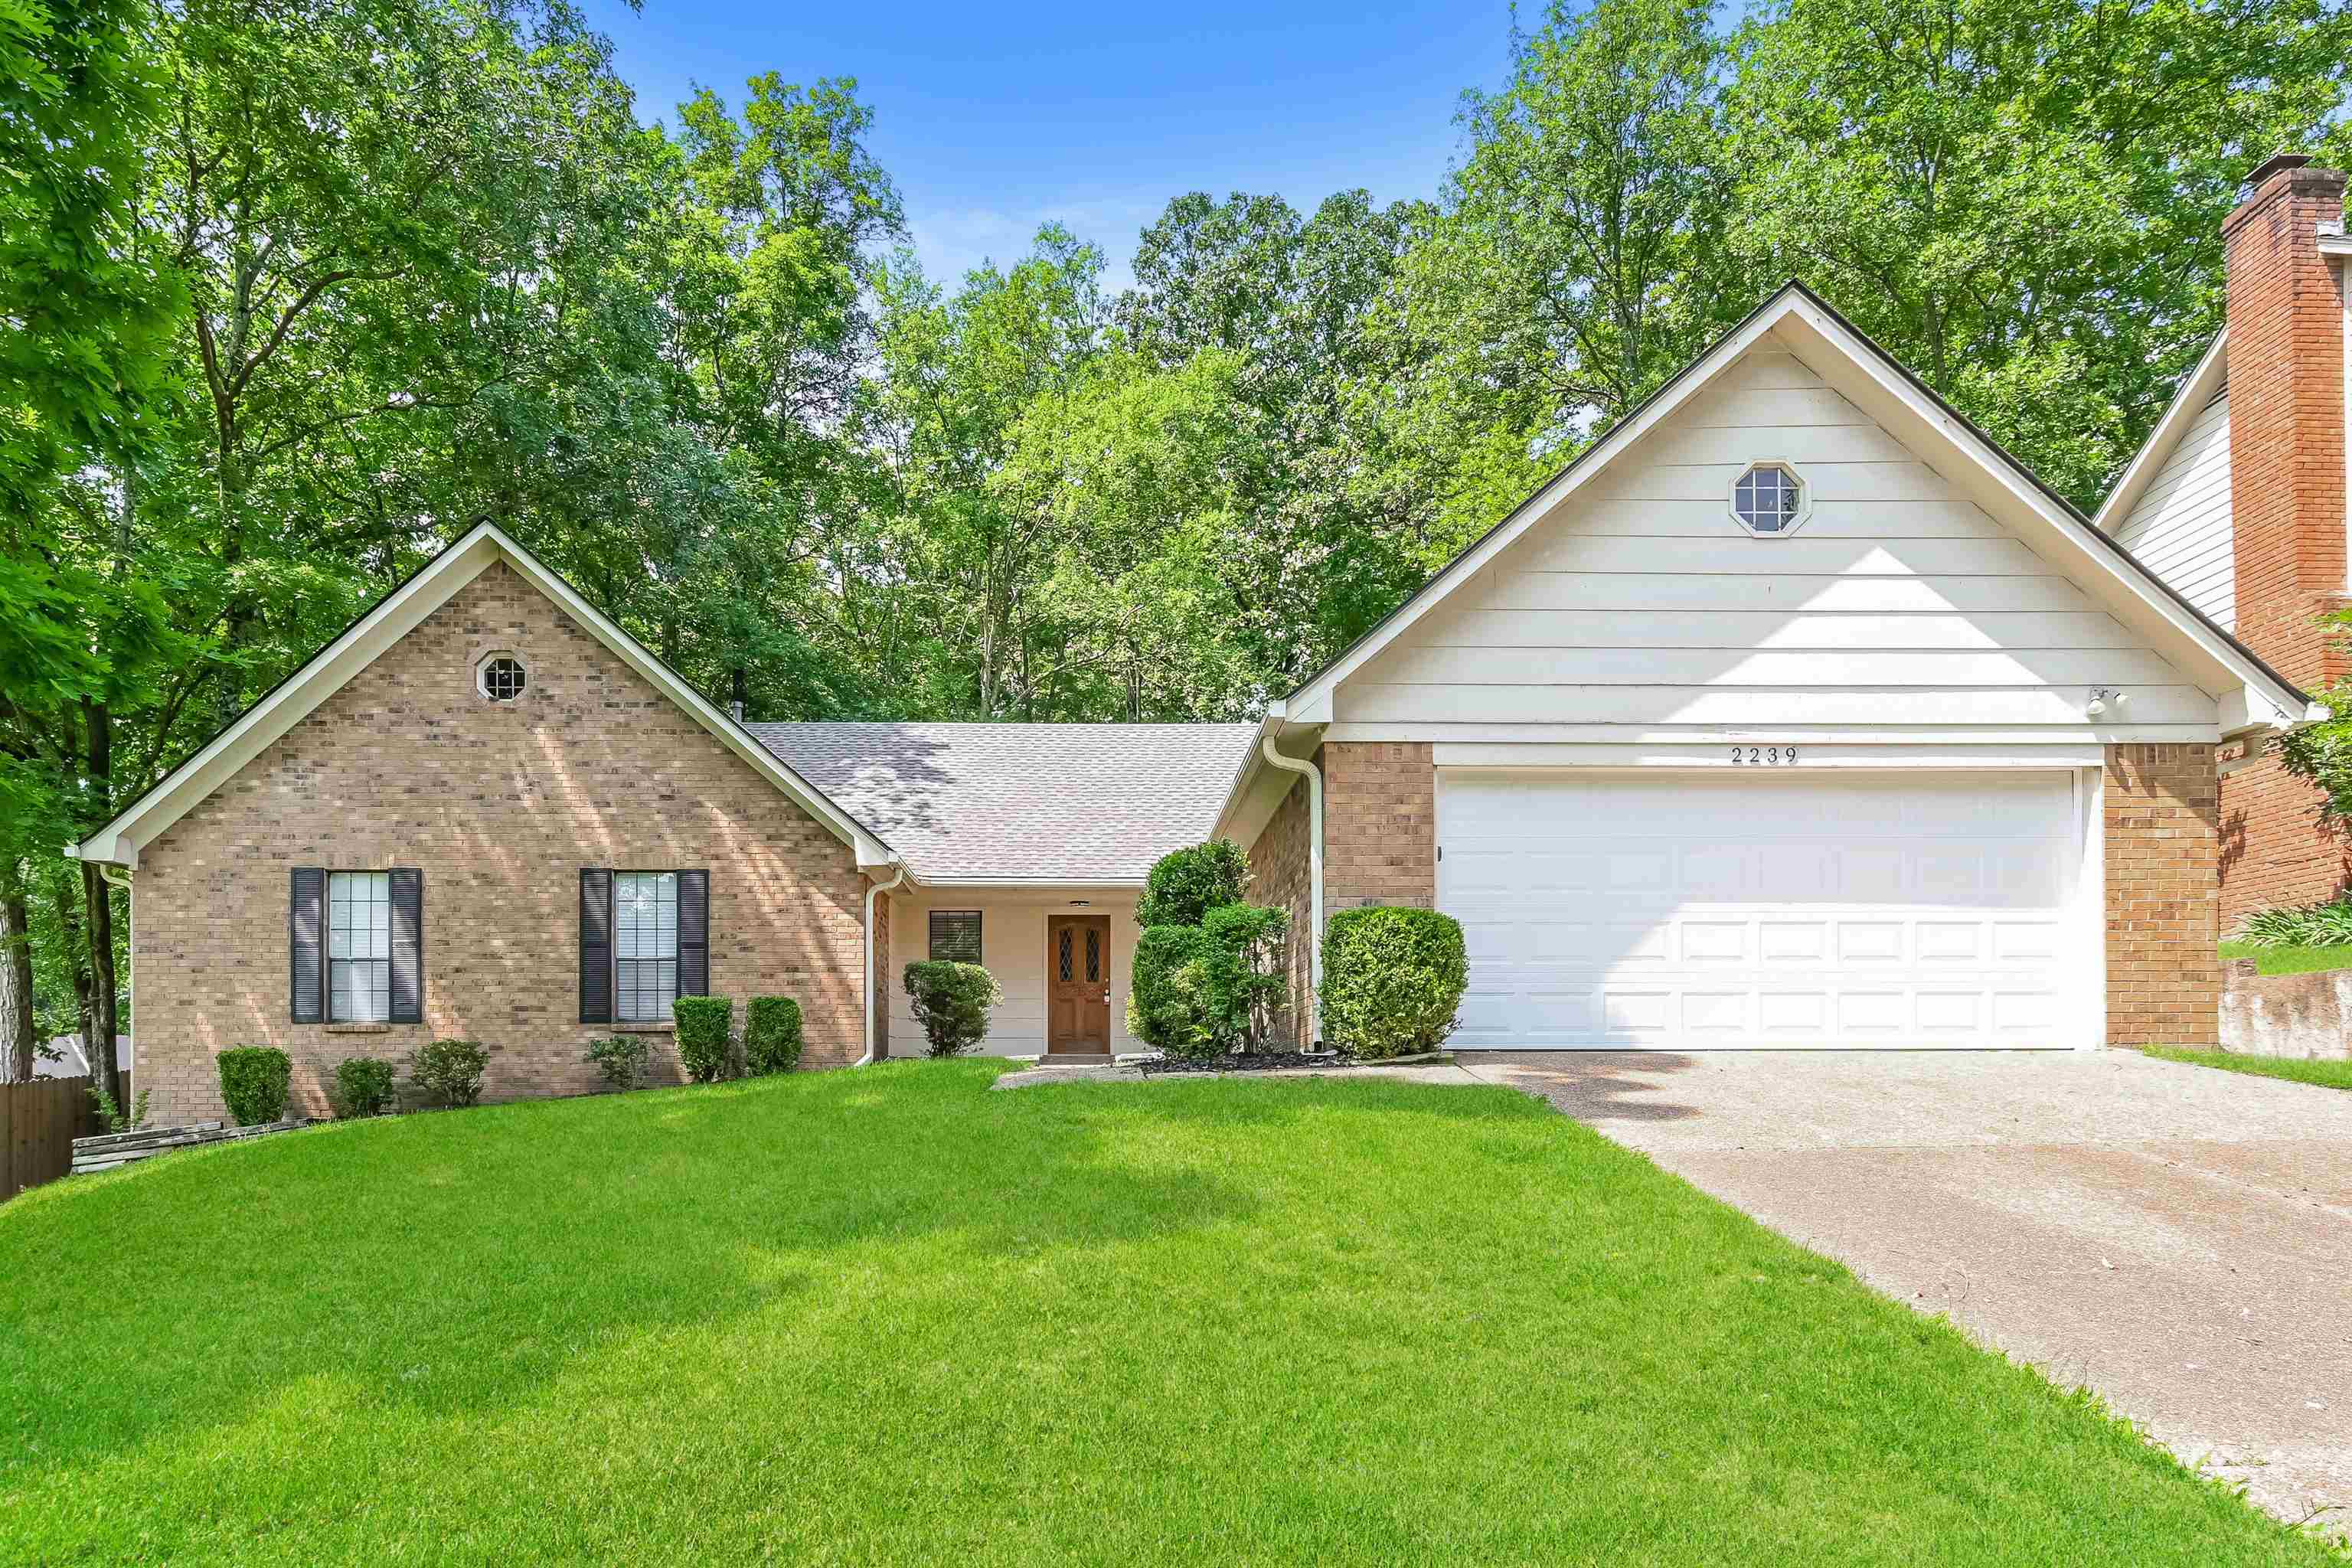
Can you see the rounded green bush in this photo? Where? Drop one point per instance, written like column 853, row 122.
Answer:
column 1393, row 981
column 255, row 1083
column 451, row 1070
column 1184, row 885
column 706, row 1031
column 622, row 1058
column 772, row 1035
column 362, row 1087
column 1169, row 993
column 952, row 1001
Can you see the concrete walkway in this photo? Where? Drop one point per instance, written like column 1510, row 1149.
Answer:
column 2178, row 1239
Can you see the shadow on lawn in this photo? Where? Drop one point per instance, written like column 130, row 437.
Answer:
column 452, row 1263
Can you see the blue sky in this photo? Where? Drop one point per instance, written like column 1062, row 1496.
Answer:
column 994, row 119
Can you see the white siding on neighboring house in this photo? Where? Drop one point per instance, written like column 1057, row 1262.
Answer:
column 1641, row 612
column 2180, row 524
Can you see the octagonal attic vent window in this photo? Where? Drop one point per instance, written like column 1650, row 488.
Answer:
column 501, row 676
column 1769, row 500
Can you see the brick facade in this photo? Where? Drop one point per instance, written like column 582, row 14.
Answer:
column 2288, row 513
column 1279, row 869
column 500, row 805
column 2163, row 832
column 1379, row 824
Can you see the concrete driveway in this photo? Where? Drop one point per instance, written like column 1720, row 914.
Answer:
column 2177, row 1238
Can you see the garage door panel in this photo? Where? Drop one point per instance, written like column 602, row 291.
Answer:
column 1774, row 909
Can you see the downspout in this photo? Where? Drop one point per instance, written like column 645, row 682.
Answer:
column 1314, row 777
column 119, row 876
column 872, row 889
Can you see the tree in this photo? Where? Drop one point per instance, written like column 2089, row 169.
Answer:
column 1577, row 261
column 2022, row 199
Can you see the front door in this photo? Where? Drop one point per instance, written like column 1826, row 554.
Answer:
column 1077, row 984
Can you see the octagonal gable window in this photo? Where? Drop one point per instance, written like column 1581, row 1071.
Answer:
column 1768, row 500
column 501, row 676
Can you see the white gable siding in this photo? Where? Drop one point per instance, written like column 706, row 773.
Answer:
column 1640, row 611
column 2180, row 524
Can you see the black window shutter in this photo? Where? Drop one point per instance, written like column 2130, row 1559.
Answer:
column 693, row 933
column 306, row 945
column 406, row 886
column 595, row 945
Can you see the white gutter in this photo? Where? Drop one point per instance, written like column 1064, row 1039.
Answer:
column 1314, row 862
column 873, row 888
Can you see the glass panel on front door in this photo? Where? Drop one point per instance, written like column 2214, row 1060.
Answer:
column 1065, row 953
column 1093, row 955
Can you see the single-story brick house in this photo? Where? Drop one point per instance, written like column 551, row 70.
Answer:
column 1794, row 712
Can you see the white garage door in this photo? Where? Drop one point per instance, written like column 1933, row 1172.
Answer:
column 1772, row 908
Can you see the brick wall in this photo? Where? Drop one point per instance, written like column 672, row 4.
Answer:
column 1380, row 825
column 1278, row 864
column 881, row 976
column 2163, row 832
column 501, row 805
column 2287, row 506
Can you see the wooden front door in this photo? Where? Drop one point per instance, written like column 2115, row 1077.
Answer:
column 1077, row 984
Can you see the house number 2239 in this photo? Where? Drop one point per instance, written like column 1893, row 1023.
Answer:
column 1764, row 756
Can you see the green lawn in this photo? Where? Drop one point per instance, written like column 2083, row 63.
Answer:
column 884, row 1315
column 2302, row 1069
column 2289, row 959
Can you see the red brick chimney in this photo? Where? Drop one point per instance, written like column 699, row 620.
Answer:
column 2287, row 502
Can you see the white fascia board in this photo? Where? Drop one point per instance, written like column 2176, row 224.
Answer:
column 1941, row 439
column 1033, row 884
column 1311, row 703
column 2203, row 384
column 399, row 613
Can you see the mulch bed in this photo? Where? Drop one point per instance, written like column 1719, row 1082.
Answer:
column 1257, row 1061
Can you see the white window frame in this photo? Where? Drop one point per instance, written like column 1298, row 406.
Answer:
column 355, row 924
column 482, row 675
column 1793, row 474
column 639, row 938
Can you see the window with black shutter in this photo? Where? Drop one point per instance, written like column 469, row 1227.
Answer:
column 305, row 943
column 955, row 935
column 645, row 942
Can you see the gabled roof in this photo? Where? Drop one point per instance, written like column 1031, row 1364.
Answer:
column 2197, row 393
column 1091, row 805
column 392, row 618
column 1911, row 411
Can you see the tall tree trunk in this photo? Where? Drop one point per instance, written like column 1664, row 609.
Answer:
column 69, row 924
column 16, row 1020
column 98, row 903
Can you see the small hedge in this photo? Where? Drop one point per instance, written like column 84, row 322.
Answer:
column 772, row 1035
column 2299, row 925
column 1167, row 993
column 952, row 1001
column 1393, row 981
column 622, row 1058
column 705, row 1030
column 255, row 1083
column 450, row 1070
column 362, row 1087
column 1184, row 885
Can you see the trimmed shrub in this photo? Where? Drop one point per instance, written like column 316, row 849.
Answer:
column 1186, row 884
column 1167, row 993
column 255, row 1081
column 772, row 1035
column 1243, row 973
column 706, row 1031
column 362, row 1087
column 450, row 1070
column 951, row 1003
column 622, row 1058
column 1392, row 980
column 2300, row 925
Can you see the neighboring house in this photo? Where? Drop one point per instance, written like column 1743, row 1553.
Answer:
column 1794, row 712
column 62, row 1057
column 2239, row 501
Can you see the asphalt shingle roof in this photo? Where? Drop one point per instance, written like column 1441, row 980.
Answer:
column 1067, row 802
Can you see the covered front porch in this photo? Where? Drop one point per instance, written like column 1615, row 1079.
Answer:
column 1060, row 956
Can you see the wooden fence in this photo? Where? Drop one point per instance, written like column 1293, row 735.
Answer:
column 38, row 1122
